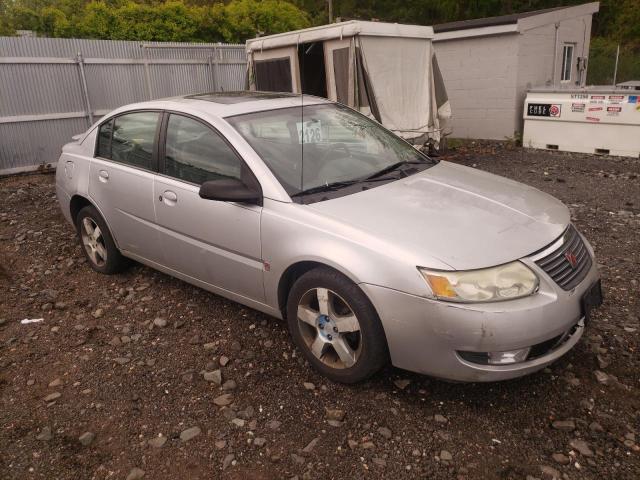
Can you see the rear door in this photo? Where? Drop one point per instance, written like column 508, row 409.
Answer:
column 121, row 181
column 212, row 241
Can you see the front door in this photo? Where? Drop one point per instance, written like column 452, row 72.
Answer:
column 212, row 241
column 121, row 181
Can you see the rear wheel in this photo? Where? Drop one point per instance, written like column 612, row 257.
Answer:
column 97, row 243
column 335, row 326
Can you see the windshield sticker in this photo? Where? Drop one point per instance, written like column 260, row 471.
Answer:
column 593, row 119
column 577, row 107
column 633, row 99
column 595, row 109
column 616, row 98
column 311, row 133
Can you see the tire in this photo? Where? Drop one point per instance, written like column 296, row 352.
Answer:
column 96, row 249
column 327, row 334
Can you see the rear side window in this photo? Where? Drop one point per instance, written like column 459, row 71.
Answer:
column 195, row 153
column 104, row 139
column 129, row 139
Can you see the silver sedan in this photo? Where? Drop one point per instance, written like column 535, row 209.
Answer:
column 311, row 212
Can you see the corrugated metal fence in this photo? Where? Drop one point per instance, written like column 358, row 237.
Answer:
column 54, row 88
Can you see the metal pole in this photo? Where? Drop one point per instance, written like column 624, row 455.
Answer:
column 555, row 55
column 615, row 70
column 146, row 70
column 214, row 68
column 330, row 2
column 85, row 90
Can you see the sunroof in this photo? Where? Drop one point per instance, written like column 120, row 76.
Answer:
column 228, row 98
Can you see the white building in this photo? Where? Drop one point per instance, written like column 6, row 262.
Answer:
column 489, row 63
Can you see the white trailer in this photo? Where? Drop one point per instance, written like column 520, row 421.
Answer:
column 601, row 120
column 387, row 71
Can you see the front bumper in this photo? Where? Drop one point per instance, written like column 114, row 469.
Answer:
column 425, row 335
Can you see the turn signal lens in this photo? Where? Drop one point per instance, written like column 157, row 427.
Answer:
column 505, row 282
column 440, row 286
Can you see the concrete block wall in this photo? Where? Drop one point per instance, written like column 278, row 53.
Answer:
column 481, row 75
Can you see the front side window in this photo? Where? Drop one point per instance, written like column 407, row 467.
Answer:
column 129, row 139
column 196, row 154
column 567, row 62
column 319, row 145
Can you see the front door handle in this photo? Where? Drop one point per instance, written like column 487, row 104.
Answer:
column 169, row 197
column 103, row 176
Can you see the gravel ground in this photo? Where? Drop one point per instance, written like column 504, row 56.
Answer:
column 140, row 374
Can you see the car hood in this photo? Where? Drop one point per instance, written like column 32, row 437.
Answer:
column 460, row 216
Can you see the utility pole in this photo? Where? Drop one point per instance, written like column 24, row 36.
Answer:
column 330, row 2
column 615, row 69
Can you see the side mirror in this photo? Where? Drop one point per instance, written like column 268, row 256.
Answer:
column 230, row 190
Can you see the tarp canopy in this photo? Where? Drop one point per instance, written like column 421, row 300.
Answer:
column 386, row 71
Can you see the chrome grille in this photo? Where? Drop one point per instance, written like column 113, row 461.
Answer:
column 558, row 266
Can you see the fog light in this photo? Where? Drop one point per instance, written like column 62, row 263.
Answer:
column 510, row 356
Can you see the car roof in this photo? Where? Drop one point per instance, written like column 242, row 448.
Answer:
column 227, row 104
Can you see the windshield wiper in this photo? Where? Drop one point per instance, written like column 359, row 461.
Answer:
column 329, row 187
column 392, row 167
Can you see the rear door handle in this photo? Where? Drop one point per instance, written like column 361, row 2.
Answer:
column 103, row 175
column 169, row 197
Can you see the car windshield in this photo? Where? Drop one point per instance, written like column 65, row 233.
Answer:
column 323, row 145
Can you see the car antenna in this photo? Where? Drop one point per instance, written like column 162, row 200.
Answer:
column 302, row 126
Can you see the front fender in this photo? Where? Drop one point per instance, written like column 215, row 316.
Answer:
column 293, row 233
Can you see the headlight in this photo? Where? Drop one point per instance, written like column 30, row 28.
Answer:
column 505, row 282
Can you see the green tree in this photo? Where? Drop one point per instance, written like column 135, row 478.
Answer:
column 248, row 18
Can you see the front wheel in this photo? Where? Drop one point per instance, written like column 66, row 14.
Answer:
column 335, row 326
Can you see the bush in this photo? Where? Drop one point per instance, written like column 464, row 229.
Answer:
column 172, row 21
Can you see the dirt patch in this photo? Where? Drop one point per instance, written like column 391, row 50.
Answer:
column 128, row 381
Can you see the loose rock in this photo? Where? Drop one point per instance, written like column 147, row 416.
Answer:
column 52, row 396
column 135, row 474
column 561, row 458
column 227, row 461
column 215, row 377
column 446, row 456
column 190, row 433
column 86, row 438
column 582, row 447
column 440, row 418
column 567, row 425
column 157, row 442
column 45, row 434
column 160, row 322
column 223, row 400
column 334, row 414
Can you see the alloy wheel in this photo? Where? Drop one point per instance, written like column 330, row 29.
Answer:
column 329, row 328
column 93, row 241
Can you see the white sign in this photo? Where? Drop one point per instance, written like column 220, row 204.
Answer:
column 311, row 133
